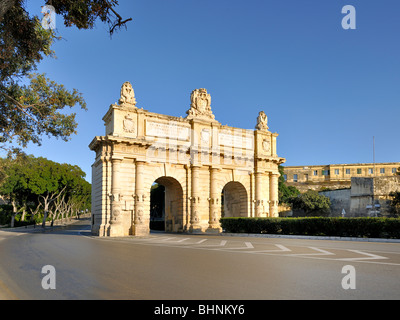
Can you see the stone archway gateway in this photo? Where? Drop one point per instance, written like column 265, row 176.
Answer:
column 195, row 158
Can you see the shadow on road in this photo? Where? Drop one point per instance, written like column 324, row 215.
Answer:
column 80, row 226
column 73, row 227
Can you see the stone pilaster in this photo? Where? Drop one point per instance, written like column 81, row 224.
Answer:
column 195, row 201
column 116, row 208
column 273, row 195
column 140, row 223
column 258, row 194
column 214, row 203
column 266, row 185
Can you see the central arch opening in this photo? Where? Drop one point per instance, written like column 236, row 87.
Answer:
column 234, row 200
column 166, row 205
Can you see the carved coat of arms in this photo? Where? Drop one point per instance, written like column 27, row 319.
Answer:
column 129, row 124
column 200, row 104
column 266, row 146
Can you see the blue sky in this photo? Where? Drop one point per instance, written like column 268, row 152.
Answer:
column 327, row 91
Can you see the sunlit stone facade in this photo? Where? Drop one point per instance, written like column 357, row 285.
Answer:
column 197, row 160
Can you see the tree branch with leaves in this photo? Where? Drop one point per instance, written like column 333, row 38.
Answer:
column 32, row 105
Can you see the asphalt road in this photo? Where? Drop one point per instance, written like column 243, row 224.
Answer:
column 181, row 267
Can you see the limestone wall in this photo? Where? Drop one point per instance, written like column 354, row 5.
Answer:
column 340, row 200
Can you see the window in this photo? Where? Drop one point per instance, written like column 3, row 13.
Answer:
column 285, row 177
column 394, row 170
column 325, row 172
column 347, row 171
column 337, row 171
column 315, row 172
column 382, row 170
column 295, row 178
column 370, row 171
column 358, row 171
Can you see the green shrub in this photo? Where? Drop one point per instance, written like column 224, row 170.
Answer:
column 316, row 226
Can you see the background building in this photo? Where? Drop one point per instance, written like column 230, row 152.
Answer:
column 335, row 176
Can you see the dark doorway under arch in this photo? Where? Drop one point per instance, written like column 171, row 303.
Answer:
column 157, row 207
column 166, row 205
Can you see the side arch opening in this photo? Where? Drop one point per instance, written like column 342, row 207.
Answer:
column 234, row 200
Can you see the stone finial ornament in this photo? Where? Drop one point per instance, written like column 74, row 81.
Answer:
column 127, row 95
column 262, row 121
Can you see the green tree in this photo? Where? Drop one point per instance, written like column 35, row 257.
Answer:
column 13, row 186
column 57, row 188
column 394, row 208
column 50, row 181
column 312, row 203
column 31, row 105
column 77, row 196
column 285, row 192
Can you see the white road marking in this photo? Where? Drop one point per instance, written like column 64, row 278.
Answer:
column 248, row 245
column 321, row 253
column 281, row 249
column 166, row 239
column 154, row 239
column 370, row 256
column 222, row 243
